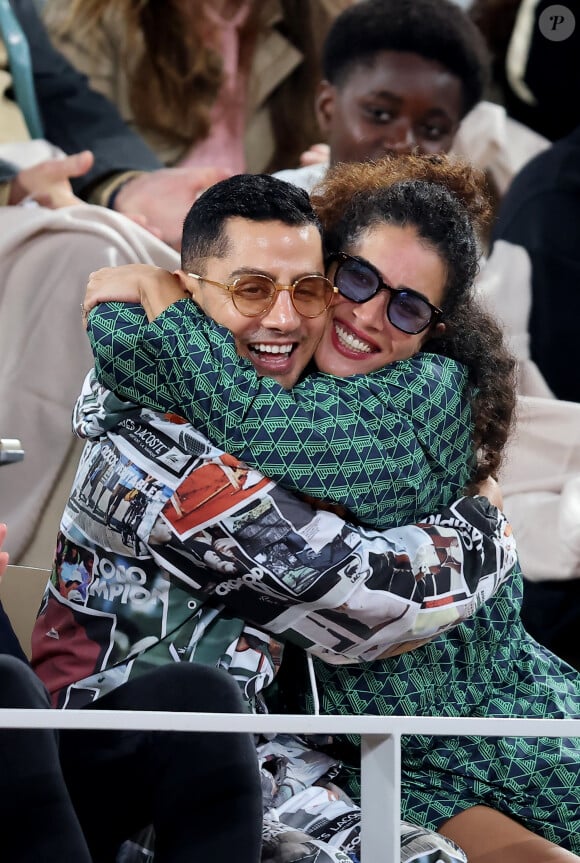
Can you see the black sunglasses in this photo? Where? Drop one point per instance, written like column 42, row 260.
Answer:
column 357, row 280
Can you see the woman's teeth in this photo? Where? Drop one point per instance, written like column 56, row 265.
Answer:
column 350, row 341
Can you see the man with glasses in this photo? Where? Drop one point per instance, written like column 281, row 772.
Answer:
column 211, row 589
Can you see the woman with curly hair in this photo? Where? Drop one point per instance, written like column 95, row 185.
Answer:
column 227, row 83
column 403, row 256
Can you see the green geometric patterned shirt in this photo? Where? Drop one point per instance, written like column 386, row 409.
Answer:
column 392, row 446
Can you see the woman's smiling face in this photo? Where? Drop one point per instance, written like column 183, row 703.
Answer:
column 359, row 338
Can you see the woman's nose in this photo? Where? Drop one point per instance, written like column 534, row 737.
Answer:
column 374, row 311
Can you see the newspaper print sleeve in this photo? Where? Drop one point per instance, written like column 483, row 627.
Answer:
column 232, row 536
column 390, row 447
column 344, row 593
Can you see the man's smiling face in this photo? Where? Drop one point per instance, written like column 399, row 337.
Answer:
column 279, row 343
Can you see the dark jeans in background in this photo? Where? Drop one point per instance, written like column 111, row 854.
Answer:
column 201, row 792
column 37, row 816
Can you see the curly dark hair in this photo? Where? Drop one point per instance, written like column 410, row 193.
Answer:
column 444, row 200
column 434, row 29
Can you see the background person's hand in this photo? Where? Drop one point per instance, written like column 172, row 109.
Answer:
column 315, row 154
column 161, row 199
column 153, row 287
column 48, row 183
column 491, row 489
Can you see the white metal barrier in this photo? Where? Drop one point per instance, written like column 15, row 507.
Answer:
column 380, row 747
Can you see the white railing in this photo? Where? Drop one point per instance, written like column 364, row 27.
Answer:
column 380, row 747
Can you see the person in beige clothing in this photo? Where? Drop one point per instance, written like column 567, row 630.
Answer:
column 46, row 255
column 229, row 83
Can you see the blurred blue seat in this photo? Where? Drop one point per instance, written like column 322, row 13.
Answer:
column 20, row 62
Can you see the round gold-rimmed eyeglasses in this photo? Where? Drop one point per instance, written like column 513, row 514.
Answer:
column 254, row 294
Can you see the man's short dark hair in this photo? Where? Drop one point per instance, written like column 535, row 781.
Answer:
column 258, row 197
column 434, row 29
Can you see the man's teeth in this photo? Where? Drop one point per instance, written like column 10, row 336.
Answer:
column 272, row 349
column 350, row 341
